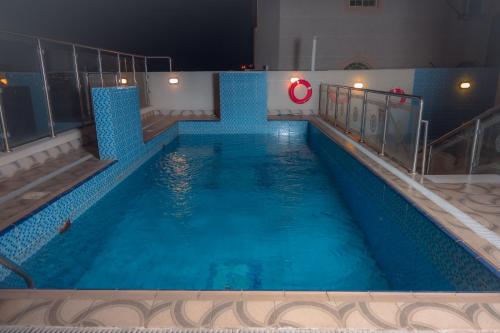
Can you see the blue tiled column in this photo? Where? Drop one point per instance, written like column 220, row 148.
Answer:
column 243, row 101
column 118, row 122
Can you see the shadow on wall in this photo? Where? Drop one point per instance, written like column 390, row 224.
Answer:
column 446, row 105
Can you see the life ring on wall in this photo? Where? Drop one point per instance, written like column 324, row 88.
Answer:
column 291, row 91
column 398, row 90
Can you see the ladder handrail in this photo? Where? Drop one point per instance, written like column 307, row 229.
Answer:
column 469, row 123
column 17, row 270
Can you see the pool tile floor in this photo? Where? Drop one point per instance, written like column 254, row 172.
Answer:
column 232, row 310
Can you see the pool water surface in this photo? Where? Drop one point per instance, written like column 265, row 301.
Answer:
column 229, row 212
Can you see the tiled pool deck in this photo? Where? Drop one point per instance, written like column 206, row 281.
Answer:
column 251, row 309
column 364, row 310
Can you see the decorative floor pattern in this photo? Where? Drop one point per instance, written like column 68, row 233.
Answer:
column 253, row 309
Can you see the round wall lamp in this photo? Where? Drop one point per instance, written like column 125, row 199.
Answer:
column 123, row 81
column 294, row 79
column 173, row 80
column 465, row 85
column 358, row 85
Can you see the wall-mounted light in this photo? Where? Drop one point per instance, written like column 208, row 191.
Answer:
column 4, row 81
column 294, row 79
column 358, row 85
column 465, row 85
column 123, row 81
column 173, row 80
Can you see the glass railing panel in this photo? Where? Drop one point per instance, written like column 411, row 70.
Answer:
column 330, row 105
column 21, row 90
column 342, row 108
column 88, row 63
column 488, row 145
column 109, row 62
column 356, row 112
column 140, row 77
column 323, row 92
column 67, row 106
column 374, row 123
column 126, row 71
column 402, row 126
column 452, row 155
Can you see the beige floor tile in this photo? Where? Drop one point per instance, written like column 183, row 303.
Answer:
column 439, row 318
column 120, row 313
column 10, row 309
column 34, row 315
column 161, row 314
column 356, row 320
column 226, row 318
column 257, row 311
column 488, row 321
column 71, row 311
column 314, row 315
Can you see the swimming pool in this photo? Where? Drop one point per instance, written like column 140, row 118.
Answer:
column 255, row 212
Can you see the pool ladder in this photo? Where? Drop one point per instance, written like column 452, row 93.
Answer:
column 18, row 270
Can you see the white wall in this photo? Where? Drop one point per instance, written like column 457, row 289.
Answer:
column 195, row 91
column 397, row 34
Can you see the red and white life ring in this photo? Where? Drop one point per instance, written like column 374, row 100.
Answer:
column 291, row 91
column 398, row 90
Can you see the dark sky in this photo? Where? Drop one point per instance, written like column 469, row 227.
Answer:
column 198, row 34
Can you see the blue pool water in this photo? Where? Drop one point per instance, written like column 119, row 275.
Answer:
column 253, row 212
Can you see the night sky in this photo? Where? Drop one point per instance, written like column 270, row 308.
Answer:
column 198, row 34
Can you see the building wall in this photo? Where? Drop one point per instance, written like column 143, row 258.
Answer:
column 266, row 34
column 397, row 34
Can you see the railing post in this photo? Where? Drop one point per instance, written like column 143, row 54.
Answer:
column 327, row 101
column 336, row 105
column 4, row 126
column 363, row 118
column 78, row 84
column 133, row 70
column 170, row 63
column 119, row 76
column 46, row 88
column 147, row 80
column 429, row 159
column 348, row 111
column 417, row 139
column 386, row 117
column 424, row 148
column 99, row 58
column 477, row 128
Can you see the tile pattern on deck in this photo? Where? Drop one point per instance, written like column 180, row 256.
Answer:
column 253, row 309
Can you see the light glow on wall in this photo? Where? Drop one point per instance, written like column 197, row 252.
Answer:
column 173, row 80
column 465, row 85
column 358, row 85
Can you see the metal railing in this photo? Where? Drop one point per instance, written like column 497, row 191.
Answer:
column 17, row 270
column 344, row 118
column 465, row 148
column 137, row 61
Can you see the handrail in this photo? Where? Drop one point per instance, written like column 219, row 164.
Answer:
column 388, row 95
column 17, row 270
column 468, row 123
column 43, row 69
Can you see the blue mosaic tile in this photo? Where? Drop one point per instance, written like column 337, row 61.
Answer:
column 119, row 136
